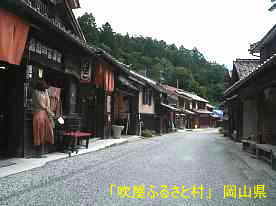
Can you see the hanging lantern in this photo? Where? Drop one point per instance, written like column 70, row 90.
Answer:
column 29, row 71
column 40, row 73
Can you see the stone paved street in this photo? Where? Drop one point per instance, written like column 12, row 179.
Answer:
column 183, row 158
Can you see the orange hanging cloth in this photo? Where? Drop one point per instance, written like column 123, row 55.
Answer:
column 13, row 37
column 106, row 80
column 111, row 81
column 99, row 75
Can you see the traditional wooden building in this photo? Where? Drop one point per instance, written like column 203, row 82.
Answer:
column 194, row 111
column 96, row 97
column 186, row 106
column 126, row 98
column 254, row 94
column 154, row 110
column 239, row 108
column 177, row 100
column 223, row 106
column 178, row 116
column 40, row 39
column 196, row 107
column 112, row 97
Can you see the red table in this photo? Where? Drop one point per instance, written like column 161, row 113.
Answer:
column 75, row 137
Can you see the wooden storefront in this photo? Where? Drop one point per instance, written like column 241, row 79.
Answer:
column 52, row 51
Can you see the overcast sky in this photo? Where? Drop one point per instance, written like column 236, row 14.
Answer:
column 221, row 29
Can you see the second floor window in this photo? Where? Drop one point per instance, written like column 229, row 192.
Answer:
column 147, row 96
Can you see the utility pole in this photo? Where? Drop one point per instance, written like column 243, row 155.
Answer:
column 146, row 69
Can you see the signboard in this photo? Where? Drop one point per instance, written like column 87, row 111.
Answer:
column 43, row 50
column 86, row 71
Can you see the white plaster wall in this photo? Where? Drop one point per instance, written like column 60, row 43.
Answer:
column 146, row 109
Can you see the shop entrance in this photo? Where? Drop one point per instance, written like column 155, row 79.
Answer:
column 10, row 112
column 4, row 116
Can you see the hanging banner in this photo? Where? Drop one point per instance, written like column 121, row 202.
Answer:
column 13, row 37
column 104, row 77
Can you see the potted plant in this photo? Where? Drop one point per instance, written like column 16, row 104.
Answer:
column 117, row 128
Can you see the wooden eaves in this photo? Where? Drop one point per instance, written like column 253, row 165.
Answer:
column 29, row 13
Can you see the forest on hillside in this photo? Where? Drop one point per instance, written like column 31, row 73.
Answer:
column 158, row 60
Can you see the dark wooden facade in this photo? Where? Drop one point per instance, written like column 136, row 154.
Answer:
column 250, row 100
column 53, row 52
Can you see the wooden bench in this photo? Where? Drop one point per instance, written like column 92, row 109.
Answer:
column 249, row 145
column 75, row 140
column 268, row 153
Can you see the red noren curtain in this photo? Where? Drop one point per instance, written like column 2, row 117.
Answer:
column 13, row 37
column 104, row 77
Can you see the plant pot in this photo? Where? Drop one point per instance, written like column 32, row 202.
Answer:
column 117, row 130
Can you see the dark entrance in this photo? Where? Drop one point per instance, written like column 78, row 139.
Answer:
column 11, row 111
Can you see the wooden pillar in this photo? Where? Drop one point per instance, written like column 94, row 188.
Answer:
column 71, row 96
column 260, row 117
column 99, row 113
column 241, row 121
column 108, row 107
column 134, row 110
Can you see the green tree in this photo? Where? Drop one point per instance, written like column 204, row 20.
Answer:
column 161, row 61
column 89, row 27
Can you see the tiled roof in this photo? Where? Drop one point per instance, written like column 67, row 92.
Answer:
column 151, row 82
column 182, row 92
column 255, row 48
column 171, row 91
column 112, row 60
column 126, row 68
column 253, row 73
column 245, row 66
column 144, row 78
column 170, row 88
column 192, row 96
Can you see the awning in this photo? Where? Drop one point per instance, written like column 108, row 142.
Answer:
column 232, row 97
column 191, row 95
column 127, row 83
column 170, row 107
column 203, row 111
column 188, row 111
column 215, row 116
column 210, row 106
column 180, row 115
column 136, row 80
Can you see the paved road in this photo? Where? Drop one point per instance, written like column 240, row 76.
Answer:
column 182, row 159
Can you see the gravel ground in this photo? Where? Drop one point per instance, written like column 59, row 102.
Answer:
column 191, row 158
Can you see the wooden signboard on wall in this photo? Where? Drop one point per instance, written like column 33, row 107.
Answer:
column 86, row 70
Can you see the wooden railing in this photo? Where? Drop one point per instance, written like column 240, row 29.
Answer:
column 39, row 6
column 42, row 9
